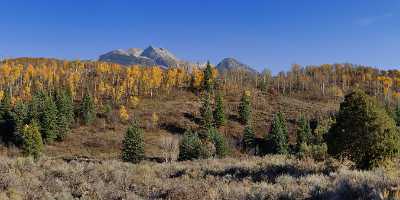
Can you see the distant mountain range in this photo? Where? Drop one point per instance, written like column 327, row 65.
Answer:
column 152, row 56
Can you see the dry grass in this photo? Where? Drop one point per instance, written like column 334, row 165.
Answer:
column 270, row 177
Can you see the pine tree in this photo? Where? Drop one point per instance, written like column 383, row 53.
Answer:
column 190, row 147
column 208, row 84
column 304, row 134
column 87, row 109
column 48, row 121
column 32, row 140
column 7, row 123
column 248, row 138
column 397, row 114
column 65, row 110
column 245, row 108
column 278, row 136
column 206, row 112
column 219, row 115
column 133, row 144
column 219, row 141
column 363, row 132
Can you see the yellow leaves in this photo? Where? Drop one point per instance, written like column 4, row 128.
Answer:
column 197, row 77
column 154, row 120
column 133, row 101
column 123, row 114
column 247, row 93
column 1, row 95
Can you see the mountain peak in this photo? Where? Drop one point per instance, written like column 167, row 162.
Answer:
column 231, row 64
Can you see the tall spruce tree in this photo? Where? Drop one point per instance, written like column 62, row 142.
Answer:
column 208, row 84
column 245, row 108
column 219, row 141
column 363, row 132
column 133, row 144
column 65, row 115
column 278, row 136
column 87, row 109
column 32, row 140
column 304, row 134
column 7, row 124
column 248, row 138
column 206, row 112
column 219, row 114
column 48, row 121
column 190, row 147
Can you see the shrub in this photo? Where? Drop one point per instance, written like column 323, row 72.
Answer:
column 219, row 114
column 32, row 140
column 133, row 144
column 190, row 147
column 363, row 132
column 245, row 108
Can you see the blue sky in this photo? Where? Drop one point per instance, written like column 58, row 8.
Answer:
column 261, row 33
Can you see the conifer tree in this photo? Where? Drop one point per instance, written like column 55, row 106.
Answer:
column 245, row 108
column 87, row 109
column 32, row 140
column 248, row 138
column 206, row 112
column 363, row 132
column 133, row 144
column 48, row 121
column 190, row 147
column 65, row 110
column 304, row 134
column 208, row 84
column 397, row 114
column 7, row 125
column 219, row 141
column 219, row 114
column 278, row 136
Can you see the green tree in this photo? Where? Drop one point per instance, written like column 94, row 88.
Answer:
column 208, row 84
column 363, row 132
column 219, row 114
column 7, row 123
column 219, row 141
column 65, row 116
column 397, row 114
column 245, row 108
column 32, row 140
column 190, row 147
column 48, row 121
column 87, row 109
column 206, row 112
column 248, row 138
column 278, row 136
column 304, row 134
column 133, row 144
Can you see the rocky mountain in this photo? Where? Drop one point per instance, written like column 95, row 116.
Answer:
column 231, row 64
column 149, row 57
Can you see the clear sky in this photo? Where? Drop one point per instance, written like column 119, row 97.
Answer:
column 261, row 33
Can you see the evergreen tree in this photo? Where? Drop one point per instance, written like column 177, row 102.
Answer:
column 208, row 84
column 190, row 147
column 248, row 138
column 65, row 116
column 363, row 132
column 397, row 114
column 87, row 109
column 32, row 140
column 278, row 136
column 7, row 124
column 206, row 112
column 304, row 134
column 133, row 144
column 48, row 121
column 219, row 115
column 219, row 141
column 245, row 108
